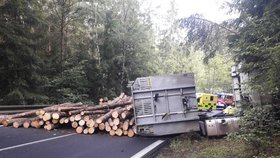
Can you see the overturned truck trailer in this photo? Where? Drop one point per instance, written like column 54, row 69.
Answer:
column 166, row 105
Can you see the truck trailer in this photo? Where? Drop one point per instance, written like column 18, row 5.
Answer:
column 165, row 105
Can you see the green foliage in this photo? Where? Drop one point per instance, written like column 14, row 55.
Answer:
column 21, row 34
column 72, row 87
column 204, row 35
column 62, row 50
column 174, row 56
column 260, row 129
column 187, row 146
column 257, row 43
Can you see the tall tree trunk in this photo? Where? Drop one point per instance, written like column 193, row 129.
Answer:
column 62, row 23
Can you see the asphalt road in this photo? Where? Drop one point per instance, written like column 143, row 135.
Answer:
column 33, row 143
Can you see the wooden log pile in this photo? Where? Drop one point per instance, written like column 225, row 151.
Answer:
column 114, row 117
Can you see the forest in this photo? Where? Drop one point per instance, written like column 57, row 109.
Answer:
column 79, row 50
column 55, row 51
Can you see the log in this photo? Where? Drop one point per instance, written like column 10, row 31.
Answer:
column 134, row 129
column 41, row 122
column 67, row 109
column 78, row 117
column 132, row 121
column 85, row 131
column 119, row 132
column 116, row 113
column 80, row 129
column 74, row 124
column 120, row 125
column 75, row 112
column 61, row 120
column 35, row 123
column 112, row 132
column 125, row 133
column 82, row 122
column 72, row 118
column 110, row 121
column 3, row 117
column 116, row 121
column 66, row 120
column 115, row 127
column 55, row 121
column 101, row 126
column 108, row 106
column 107, row 127
column 27, row 122
column 40, row 112
column 36, row 112
column 9, row 122
column 94, row 112
column 58, row 115
column 129, row 107
column 91, row 130
column 116, row 100
column 47, row 116
column 86, row 117
column 106, row 116
column 90, row 123
column 126, row 114
column 96, row 125
column 125, row 125
column 19, row 123
column 130, row 133
column 50, row 126
column 56, row 107
column 24, row 114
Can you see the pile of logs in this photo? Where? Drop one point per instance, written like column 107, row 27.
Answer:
column 112, row 116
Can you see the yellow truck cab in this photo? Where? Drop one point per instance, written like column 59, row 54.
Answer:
column 206, row 101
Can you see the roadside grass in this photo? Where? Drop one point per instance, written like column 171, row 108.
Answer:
column 192, row 145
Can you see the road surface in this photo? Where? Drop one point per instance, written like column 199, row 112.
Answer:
column 29, row 143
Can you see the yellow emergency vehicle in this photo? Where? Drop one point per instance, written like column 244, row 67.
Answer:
column 206, row 101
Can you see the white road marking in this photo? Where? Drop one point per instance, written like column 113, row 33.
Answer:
column 35, row 142
column 144, row 151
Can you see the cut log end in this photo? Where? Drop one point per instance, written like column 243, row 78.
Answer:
column 91, row 130
column 101, row 126
column 82, row 122
column 26, row 124
column 130, row 133
column 119, row 132
column 16, row 124
column 116, row 121
column 74, row 124
column 112, row 132
column 50, row 127
column 85, row 131
column 79, row 129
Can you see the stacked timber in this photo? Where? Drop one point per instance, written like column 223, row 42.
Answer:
column 114, row 117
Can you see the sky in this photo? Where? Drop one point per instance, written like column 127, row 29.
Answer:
column 210, row 9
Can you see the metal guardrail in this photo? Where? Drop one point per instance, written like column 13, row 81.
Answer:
column 11, row 109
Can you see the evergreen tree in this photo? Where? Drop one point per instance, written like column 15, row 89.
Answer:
column 256, row 45
column 22, row 44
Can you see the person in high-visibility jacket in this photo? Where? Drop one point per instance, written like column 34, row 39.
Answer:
column 230, row 110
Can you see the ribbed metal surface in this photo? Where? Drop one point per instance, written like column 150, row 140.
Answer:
column 164, row 100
